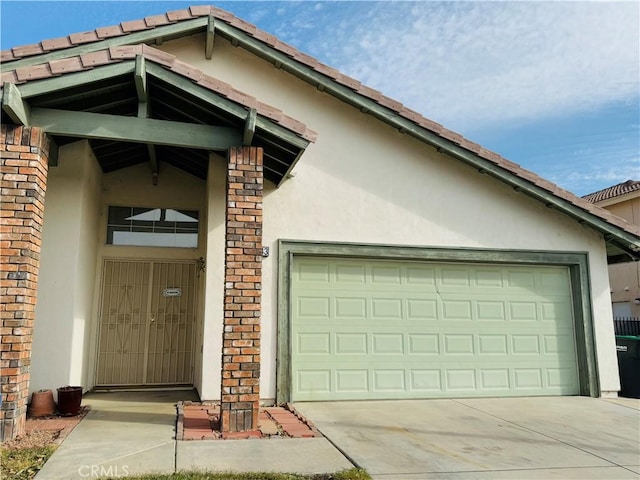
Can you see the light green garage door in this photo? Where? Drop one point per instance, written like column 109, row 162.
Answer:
column 376, row 329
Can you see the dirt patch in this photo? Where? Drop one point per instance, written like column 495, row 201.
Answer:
column 34, row 439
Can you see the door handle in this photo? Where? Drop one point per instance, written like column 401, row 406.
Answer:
column 152, row 317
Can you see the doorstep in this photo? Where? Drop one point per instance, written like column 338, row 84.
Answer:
column 201, row 421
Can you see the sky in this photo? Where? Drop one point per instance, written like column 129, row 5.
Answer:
column 552, row 86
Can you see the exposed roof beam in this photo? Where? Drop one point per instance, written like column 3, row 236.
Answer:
column 211, row 31
column 55, row 84
column 140, row 79
column 222, row 103
column 250, row 127
column 13, row 105
column 132, row 129
column 140, row 76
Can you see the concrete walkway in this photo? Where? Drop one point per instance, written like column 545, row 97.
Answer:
column 131, row 433
column 505, row 438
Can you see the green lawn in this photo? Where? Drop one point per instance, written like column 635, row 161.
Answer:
column 23, row 463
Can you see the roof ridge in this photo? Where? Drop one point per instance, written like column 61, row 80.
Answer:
column 392, row 105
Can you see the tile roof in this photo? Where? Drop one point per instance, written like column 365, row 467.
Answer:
column 121, row 53
column 614, row 191
column 148, row 23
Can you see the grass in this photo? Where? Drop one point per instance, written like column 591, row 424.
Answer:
column 353, row 474
column 23, row 463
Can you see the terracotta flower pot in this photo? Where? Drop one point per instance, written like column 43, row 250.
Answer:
column 69, row 400
column 42, row 404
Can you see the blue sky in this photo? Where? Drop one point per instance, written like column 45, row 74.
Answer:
column 553, row 86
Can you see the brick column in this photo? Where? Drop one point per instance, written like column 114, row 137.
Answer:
column 24, row 155
column 242, row 292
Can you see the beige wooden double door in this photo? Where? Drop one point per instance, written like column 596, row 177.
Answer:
column 147, row 323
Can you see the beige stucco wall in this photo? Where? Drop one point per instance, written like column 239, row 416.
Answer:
column 363, row 181
column 625, row 277
column 61, row 340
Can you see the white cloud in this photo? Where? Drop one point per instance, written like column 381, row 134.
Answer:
column 471, row 63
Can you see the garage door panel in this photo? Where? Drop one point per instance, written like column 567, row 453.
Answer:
column 381, row 329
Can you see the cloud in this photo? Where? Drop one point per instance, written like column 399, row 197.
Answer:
column 487, row 63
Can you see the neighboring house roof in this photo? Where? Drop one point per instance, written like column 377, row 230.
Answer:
column 614, row 191
column 74, row 53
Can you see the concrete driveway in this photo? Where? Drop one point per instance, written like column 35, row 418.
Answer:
column 505, row 438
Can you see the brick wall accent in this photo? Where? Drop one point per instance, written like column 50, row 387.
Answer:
column 24, row 153
column 242, row 291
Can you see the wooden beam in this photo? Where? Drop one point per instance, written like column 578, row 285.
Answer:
column 63, row 82
column 13, row 105
column 250, row 127
column 140, row 77
column 211, row 31
column 53, row 153
column 215, row 100
column 136, row 130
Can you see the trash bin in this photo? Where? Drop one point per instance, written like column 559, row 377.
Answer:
column 628, row 348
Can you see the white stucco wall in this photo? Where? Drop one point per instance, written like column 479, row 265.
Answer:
column 363, row 181
column 61, row 339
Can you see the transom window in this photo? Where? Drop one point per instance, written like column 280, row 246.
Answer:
column 152, row 227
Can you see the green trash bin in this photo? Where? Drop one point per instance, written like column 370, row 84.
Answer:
column 628, row 348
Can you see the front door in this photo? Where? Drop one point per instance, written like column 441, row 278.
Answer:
column 147, row 323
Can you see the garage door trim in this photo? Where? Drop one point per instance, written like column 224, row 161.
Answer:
column 577, row 262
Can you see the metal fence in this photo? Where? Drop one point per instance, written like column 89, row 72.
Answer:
column 627, row 325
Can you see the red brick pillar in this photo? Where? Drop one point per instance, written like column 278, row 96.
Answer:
column 24, row 153
column 242, row 292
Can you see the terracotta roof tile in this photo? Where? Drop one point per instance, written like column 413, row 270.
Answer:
column 108, row 32
column 95, row 59
column 83, row 37
column 242, row 98
column 56, row 43
column 265, row 37
column 215, row 85
column 33, row 73
column 200, row 10
column 158, row 56
column 66, row 65
column 125, row 51
column 178, row 15
column 156, row 20
column 28, row 50
column 221, row 14
column 242, row 25
column 6, row 56
column 471, row 146
column 285, row 48
column 390, row 103
column 10, row 77
column 613, row 191
column 328, row 71
column 133, row 26
column 186, row 70
column 270, row 112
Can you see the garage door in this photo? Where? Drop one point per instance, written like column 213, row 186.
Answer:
column 376, row 329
